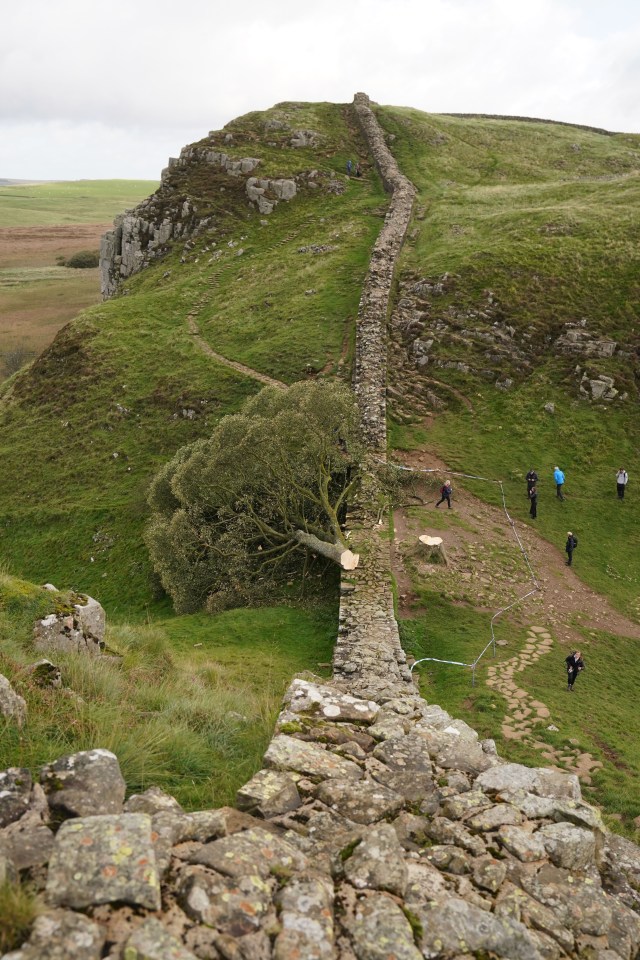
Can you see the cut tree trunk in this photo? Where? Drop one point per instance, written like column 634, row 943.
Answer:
column 333, row 551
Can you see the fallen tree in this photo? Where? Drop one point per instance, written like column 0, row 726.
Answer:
column 232, row 514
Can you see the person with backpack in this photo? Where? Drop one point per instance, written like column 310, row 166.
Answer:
column 445, row 494
column 533, row 500
column 570, row 545
column 575, row 665
column 558, row 477
column 532, row 479
column 622, row 479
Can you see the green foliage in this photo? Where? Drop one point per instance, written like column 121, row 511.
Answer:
column 82, row 201
column 83, row 259
column 19, row 907
column 226, row 511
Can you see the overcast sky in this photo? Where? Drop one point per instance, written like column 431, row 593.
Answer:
column 93, row 90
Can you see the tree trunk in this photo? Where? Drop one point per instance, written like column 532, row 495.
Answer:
column 333, row 551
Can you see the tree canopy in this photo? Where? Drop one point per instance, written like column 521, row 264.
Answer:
column 232, row 513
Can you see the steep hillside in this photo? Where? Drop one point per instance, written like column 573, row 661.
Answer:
column 127, row 383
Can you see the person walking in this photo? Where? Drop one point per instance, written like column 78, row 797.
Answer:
column 575, row 665
column 570, row 545
column 558, row 476
column 445, row 494
column 533, row 501
column 532, row 479
column 622, row 479
column 349, row 167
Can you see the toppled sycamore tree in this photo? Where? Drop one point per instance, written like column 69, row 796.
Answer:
column 232, row 513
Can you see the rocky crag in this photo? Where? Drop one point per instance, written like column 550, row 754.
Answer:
column 379, row 827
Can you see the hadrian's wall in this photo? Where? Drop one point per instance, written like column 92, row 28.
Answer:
column 379, row 828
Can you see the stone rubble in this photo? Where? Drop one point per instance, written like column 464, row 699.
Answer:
column 81, row 630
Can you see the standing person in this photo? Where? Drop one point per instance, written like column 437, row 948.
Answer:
column 558, row 476
column 622, row 479
column 575, row 665
column 358, row 170
column 349, row 167
column 533, row 498
column 532, row 479
column 570, row 545
column 445, row 494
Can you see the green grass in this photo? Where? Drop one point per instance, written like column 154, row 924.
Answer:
column 71, row 201
column 190, row 706
column 19, row 907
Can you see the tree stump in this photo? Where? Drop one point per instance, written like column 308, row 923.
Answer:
column 435, row 549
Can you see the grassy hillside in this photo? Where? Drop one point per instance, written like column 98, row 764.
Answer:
column 121, row 388
column 69, row 201
column 524, row 234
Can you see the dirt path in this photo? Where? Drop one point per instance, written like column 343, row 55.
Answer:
column 563, row 599
column 238, row 367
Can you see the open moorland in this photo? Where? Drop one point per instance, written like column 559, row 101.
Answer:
column 40, row 224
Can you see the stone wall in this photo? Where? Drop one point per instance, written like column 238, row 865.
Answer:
column 370, row 375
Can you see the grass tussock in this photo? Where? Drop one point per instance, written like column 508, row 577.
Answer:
column 19, row 907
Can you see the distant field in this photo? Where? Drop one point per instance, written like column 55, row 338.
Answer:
column 38, row 224
column 73, row 201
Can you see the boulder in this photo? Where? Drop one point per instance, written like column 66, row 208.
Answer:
column 15, row 794
column 288, row 753
column 79, row 631
column 104, row 859
column 268, row 794
column 568, row 846
column 84, row 784
column 62, row 935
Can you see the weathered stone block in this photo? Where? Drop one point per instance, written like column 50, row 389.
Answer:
column 84, row 784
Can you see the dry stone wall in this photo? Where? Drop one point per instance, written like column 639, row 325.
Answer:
column 380, row 828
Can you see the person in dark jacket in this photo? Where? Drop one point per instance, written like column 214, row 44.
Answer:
column 575, row 665
column 533, row 499
column 532, row 479
column 622, row 479
column 445, row 494
column 570, row 545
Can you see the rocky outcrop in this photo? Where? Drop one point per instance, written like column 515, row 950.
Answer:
column 79, row 630
column 370, row 374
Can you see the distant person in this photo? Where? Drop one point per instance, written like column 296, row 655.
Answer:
column 575, row 665
column 445, row 494
column 349, row 167
column 532, row 479
column 358, row 170
column 569, row 547
column 558, row 477
column 622, row 479
column 533, row 501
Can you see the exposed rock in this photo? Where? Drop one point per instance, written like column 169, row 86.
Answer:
column 104, row 859
column 456, row 927
column 234, row 905
column 12, row 705
column 306, row 920
column 522, row 844
column 268, row 794
column 380, row 930
column 287, row 753
column 538, row 780
column 363, row 801
column 152, row 801
column 253, row 852
column 81, row 631
column 568, row 846
column 62, row 935
column 45, row 674
column 83, row 784
column 152, row 942
column 378, row 862
column 15, row 794
column 314, row 699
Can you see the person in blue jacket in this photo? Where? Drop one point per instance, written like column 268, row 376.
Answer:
column 558, row 477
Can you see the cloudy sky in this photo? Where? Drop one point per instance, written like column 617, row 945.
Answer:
column 92, row 90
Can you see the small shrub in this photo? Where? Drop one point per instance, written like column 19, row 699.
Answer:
column 16, row 358
column 83, row 259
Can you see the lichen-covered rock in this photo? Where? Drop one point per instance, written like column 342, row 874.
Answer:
column 152, row 801
column 268, row 794
column 253, row 852
column 568, row 846
column 152, row 942
column 233, row 905
column 62, row 935
column 526, row 846
column 363, row 801
column 104, row 859
column 537, row 780
column 380, row 930
column 323, row 701
column 306, row 920
column 377, row 862
column 27, row 842
column 488, row 873
column 12, row 705
column 15, row 794
column 84, row 784
column 45, row 673
column 456, row 927
column 493, row 817
column 81, row 631
column 288, row 753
